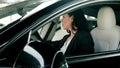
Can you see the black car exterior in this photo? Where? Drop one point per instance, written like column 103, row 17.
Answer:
column 17, row 35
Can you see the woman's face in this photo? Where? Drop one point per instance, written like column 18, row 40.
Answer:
column 67, row 21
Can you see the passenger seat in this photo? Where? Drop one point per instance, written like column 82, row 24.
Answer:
column 106, row 35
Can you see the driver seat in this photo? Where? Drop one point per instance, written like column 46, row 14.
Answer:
column 106, row 35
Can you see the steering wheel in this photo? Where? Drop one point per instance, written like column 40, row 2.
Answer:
column 59, row 61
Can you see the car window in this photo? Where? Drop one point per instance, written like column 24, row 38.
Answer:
column 91, row 14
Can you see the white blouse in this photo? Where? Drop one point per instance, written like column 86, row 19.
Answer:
column 65, row 46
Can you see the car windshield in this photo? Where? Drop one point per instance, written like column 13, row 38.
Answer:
column 12, row 10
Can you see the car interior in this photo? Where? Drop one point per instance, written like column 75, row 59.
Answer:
column 106, row 34
column 46, row 34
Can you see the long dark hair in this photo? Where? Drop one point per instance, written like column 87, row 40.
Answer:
column 79, row 20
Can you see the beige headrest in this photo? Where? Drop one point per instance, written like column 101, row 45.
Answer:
column 106, row 18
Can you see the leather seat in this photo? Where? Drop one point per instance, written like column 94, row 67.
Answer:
column 106, row 35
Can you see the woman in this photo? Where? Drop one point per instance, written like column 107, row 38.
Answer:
column 79, row 40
